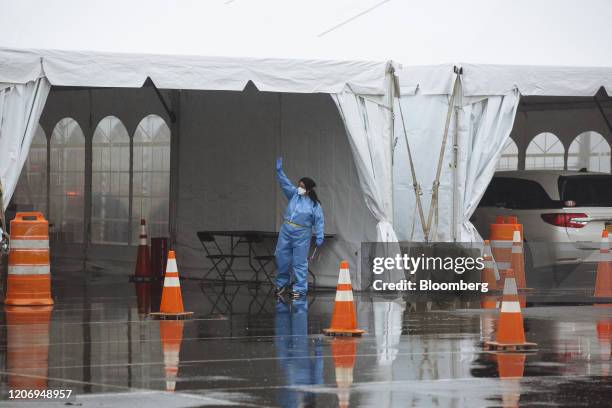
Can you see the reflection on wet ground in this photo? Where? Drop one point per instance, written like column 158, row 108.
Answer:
column 244, row 348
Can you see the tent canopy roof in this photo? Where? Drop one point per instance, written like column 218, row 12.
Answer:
column 484, row 79
column 103, row 69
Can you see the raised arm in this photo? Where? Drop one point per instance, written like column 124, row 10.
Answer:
column 283, row 181
column 319, row 224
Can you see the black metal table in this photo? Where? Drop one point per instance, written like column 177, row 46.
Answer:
column 249, row 237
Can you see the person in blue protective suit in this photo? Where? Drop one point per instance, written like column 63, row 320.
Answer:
column 302, row 217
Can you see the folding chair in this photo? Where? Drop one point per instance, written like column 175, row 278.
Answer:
column 221, row 262
column 262, row 260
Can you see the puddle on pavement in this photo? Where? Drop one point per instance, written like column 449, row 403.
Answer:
column 244, row 347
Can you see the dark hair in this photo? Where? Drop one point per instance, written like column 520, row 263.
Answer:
column 310, row 185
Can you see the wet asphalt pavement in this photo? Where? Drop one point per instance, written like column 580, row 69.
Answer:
column 244, row 348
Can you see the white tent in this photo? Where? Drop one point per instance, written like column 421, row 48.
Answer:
column 227, row 134
column 487, row 98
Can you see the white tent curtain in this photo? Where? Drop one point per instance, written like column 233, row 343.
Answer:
column 484, row 125
column 367, row 122
column 20, row 109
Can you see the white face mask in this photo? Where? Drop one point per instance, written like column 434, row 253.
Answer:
column 301, row 191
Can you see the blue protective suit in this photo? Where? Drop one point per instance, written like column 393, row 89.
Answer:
column 301, row 217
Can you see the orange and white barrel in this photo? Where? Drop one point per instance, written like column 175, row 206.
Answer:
column 29, row 272
column 502, row 234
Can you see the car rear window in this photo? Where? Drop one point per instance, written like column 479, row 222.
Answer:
column 588, row 190
column 516, row 193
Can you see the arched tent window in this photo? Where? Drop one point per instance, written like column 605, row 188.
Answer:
column 31, row 190
column 509, row 157
column 591, row 151
column 151, row 176
column 545, row 151
column 110, row 184
column 67, row 181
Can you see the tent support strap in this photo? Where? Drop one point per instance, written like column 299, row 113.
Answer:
column 436, row 184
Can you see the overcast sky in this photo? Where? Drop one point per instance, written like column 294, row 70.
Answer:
column 539, row 32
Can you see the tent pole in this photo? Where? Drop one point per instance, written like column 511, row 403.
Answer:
column 455, row 173
column 175, row 131
column 390, row 101
column 459, row 72
column 87, row 187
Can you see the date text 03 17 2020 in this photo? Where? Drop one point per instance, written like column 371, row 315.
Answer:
column 39, row 394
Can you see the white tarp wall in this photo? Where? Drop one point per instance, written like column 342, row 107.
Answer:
column 20, row 107
column 478, row 127
column 369, row 127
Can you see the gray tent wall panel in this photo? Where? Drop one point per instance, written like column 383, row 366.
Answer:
column 566, row 117
column 228, row 145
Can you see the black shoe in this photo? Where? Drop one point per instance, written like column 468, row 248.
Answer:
column 280, row 292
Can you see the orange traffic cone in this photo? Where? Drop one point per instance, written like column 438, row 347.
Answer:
column 510, row 331
column 171, row 333
column 27, row 346
column 603, row 282
column 344, row 317
column 510, row 368
column 142, row 272
column 29, row 274
column 171, row 306
column 488, row 273
column 343, row 353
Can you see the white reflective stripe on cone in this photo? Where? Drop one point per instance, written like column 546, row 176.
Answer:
column 510, row 287
column 143, row 241
column 171, row 282
column 511, row 307
column 344, row 296
column 489, row 264
column 28, row 270
column 344, row 277
column 171, row 267
column 29, row 244
column 504, row 265
column 501, row 243
column 517, row 249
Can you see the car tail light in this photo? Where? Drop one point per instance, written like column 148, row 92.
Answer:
column 564, row 219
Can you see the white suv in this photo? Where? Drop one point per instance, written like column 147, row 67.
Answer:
column 565, row 210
